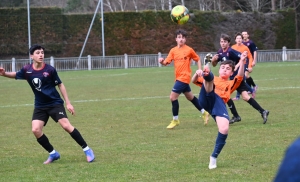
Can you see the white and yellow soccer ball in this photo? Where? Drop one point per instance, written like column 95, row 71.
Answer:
column 180, row 14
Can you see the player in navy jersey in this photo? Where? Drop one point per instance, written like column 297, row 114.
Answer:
column 43, row 80
column 227, row 53
column 253, row 49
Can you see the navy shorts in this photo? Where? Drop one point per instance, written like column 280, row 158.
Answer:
column 213, row 104
column 180, row 87
column 56, row 112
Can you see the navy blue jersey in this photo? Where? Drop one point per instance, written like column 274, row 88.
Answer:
column 252, row 47
column 42, row 83
column 229, row 54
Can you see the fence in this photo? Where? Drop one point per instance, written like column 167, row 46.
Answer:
column 135, row 61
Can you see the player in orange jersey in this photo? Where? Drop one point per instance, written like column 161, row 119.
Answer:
column 240, row 47
column 182, row 55
column 214, row 94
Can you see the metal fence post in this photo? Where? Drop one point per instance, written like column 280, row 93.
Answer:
column 89, row 62
column 52, row 61
column 126, row 61
column 284, row 55
column 13, row 65
column 159, row 56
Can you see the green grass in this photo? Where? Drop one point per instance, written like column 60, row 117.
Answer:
column 123, row 115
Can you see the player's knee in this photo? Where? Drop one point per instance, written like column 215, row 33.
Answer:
column 36, row 131
column 66, row 125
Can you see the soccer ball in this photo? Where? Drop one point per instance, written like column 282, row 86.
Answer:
column 180, row 14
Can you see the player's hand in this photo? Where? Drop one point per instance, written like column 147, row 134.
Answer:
column 244, row 55
column 161, row 60
column 2, row 71
column 249, row 70
column 208, row 58
column 253, row 63
column 215, row 57
column 206, row 70
column 71, row 109
column 199, row 72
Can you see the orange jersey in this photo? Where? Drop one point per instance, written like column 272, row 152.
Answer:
column 223, row 88
column 241, row 48
column 182, row 57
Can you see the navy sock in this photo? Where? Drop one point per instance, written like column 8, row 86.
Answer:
column 255, row 105
column 44, row 142
column 78, row 138
column 209, row 77
column 195, row 101
column 220, row 142
column 232, row 108
column 175, row 107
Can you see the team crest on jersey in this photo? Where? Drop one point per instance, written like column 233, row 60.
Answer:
column 248, row 44
column 37, row 83
column 46, row 74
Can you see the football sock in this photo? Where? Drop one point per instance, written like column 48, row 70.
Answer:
column 195, row 101
column 44, row 142
column 232, row 108
column 78, row 138
column 175, row 117
column 249, row 88
column 86, row 148
column 220, row 142
column 53, row 152
column 209, row 77
column 255, row 105
column 175, row 107
column 202, row 111
column 250, row 81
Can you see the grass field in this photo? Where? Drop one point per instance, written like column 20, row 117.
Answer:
column 123, row 115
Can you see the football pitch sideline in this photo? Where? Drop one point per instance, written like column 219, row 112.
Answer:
column 123, row 114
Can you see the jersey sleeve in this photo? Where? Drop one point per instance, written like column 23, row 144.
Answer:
column 199, row 82
column 235, row 83
column 170, row 57
column 234, row 55
column 55, row 77
column 194, row 55
column 20, row 75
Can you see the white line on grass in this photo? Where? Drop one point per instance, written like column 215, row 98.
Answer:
column 140, row 98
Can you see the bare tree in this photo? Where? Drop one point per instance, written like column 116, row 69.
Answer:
column 273, row 5
column 162, row 3
column 109, row 5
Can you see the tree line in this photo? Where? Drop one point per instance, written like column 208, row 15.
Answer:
column 85, row 6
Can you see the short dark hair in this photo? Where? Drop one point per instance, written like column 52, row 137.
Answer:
column 225, row 37
column 238, row 34
column 35, row 47
column 229, row 62
column 182, row 32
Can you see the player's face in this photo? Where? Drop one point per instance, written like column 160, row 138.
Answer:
column 238, row 39
column 225, row 71
column 180, row 40
column 224, row 43
column 38, row 56
column 245, row 35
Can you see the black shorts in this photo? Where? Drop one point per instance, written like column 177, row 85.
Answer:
column 242, row 87
column 55, row 112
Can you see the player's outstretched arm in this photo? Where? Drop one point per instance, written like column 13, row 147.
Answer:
column 7, row 74
column 197, row 74
column 214, row 60
column 241, row 63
